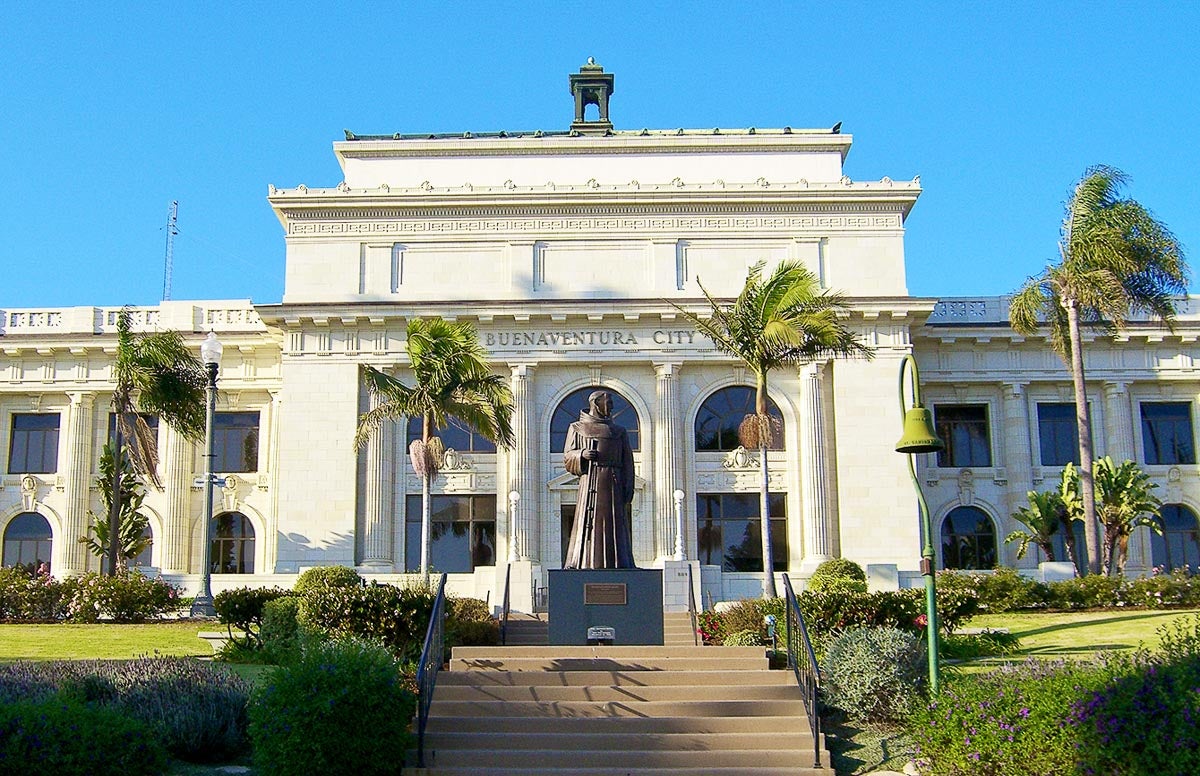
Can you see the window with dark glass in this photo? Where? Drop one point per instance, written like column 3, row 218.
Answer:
column 462, row 532
column 964, row 429
column 722, row 413
column 456, row 435
column 1167, row 433
column 235, row 442
column 231, row 544
column 968, row 539
column 1058, row 434
column 28, row 542
column 729, row 531
column 1179, row 545
column 151, row 422
column 33, row 446
column 567, row 412
column 1059, row 542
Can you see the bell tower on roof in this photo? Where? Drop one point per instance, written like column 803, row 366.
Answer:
column 591, row 86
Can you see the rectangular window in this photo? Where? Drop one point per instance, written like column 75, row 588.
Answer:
column 964, row 429
column 235, row 442
column 462, row 533
column 33, row 447
column 729, row 531
column 1058, row 435
column 1167, row 433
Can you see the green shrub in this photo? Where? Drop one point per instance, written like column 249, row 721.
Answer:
column 744, row 638
column 342, row 708
column 321, row 577
column 124, row 597
column 394, row 616
column 281, row 633
column 68, row 738
column 1005, row 590
column 36, row 597
column 1095, row 591
column 242, row 608
column 473, row 633
column 468, row 610
column 1006, row 723
column 875, row 674
column 1158, row 591
column 838, row 575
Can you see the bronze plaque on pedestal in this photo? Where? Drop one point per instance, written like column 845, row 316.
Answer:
column 610, row 593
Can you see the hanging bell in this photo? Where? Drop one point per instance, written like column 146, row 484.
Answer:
column 919, row 436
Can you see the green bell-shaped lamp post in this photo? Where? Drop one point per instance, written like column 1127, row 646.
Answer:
column 920, row 437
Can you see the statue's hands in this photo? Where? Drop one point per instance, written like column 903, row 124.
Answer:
column 589, row 455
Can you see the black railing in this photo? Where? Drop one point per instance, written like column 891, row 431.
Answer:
column 692, row 609
column 433, row 653
column 507, row 607
column 803, row 662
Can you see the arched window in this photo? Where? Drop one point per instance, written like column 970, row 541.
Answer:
column 567, row 412
column 28, row 542
column 968, row 539
column 231, row 548
column 143, row 558
column 456, row 436
column 1179, row 544
column 719, row 417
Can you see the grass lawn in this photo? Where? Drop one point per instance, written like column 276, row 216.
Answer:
column 103, row 641
column 1081, row 634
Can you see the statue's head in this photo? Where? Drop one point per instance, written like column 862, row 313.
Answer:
column 600, row 404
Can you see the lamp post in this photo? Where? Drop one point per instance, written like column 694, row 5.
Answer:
column 514, row 499
column 679, row 551
column 210, row 354
column 920, row 437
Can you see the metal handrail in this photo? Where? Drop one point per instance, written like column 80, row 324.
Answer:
column 692, row 609
column 803, row 662
column 433, row 653
column 507, row 607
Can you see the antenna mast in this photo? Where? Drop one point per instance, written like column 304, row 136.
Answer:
column 169, row 253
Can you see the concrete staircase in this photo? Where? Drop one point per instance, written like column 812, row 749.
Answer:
column 617, row 710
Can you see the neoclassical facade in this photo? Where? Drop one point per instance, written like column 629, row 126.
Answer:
column 568, row 252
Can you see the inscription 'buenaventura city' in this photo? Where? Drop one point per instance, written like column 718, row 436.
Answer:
column 577, row 339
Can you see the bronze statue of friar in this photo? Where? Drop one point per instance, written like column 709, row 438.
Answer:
column 598, row 451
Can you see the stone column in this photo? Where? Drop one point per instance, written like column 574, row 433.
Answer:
column 818, row 543
column 1118, row 423
column 377, row 500
column 523, row 472
column 77, row 480
column 668, row 437
column 1017, row 450
column 174, row 545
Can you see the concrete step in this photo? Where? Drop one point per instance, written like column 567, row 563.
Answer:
column 635, row 741
column 611, row 678
column 786, row 724
column 595, row 693
column 693, row 760
column 614, row 652
column 626, row 708
column 607, row 664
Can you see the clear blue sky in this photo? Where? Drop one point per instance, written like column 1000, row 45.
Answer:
column 108, row 111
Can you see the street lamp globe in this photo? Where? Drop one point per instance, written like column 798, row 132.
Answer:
column 211, row 350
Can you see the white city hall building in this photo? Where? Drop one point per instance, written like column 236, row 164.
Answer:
column 567, row 250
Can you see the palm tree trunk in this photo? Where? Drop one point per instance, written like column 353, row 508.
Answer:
column 114, row 507
column 1069, row 544
column 1047, row 549
column 1087, row 487
column 764, row 501
column 426, row 509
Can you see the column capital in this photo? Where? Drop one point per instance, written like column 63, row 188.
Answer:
column 84, row 398
column 667, row 369
column 1115, row 387
column 1013, row 390
column 522, row 369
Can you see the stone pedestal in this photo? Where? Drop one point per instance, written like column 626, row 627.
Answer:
column 627, row 600
column 524, row 577
column 677, row 574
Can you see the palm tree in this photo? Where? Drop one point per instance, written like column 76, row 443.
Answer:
column 1115, row 259
column 1068, row 493
column 156, row 374
column 133, row 539
column 1124, row 503
column 785, row 320
column 451, row 379
column 1042, row 518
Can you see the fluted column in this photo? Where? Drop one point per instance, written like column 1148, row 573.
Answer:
column 78, row 481
column 1118, row 423
column 668, row 436
column 174, row 545
column 523, row 540
column 818, row 541
column 377, row 513
column 1017, row 460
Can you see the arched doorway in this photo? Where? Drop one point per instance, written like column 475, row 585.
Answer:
column 231, row 544
column 28, row 542
column 1179, row 545
column 968, row 539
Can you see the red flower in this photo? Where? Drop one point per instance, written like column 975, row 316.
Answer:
column 921, row 621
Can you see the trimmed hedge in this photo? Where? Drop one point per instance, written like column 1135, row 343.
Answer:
column 125, row 597
column 1006, row 590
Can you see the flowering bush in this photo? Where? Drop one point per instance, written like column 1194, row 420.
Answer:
column 124, row 597
column 1006, row 590
column 38, row 597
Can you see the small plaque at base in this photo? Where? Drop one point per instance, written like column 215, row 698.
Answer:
column 602, row 634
